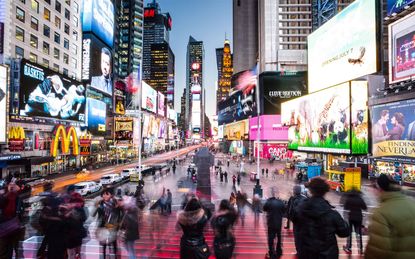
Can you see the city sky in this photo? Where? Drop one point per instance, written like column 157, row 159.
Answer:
column 206, row 21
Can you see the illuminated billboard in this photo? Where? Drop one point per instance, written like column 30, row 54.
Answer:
column 320, row 126
column 344, row 48
column 161, row 108
column 148, row 98
column 237, row 130
column 46, row 93
column 124, row 129
column 397, row 6
column 3, row 103
column 360, row 117
column 402, row 49
column 96, row 116
column 98, row 17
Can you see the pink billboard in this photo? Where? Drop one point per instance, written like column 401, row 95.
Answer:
column 270, row 128
column 278, row 151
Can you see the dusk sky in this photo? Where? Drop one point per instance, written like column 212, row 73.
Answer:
column 207, row 21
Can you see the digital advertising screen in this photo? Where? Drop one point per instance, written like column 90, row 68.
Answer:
column 360, row 117
column 237, row 130
column 119, row 105
column 146, row 125
column 397, row 6
column 402, row 49
column 271, row 128
column 96, row 116
column 3, row 103
column 148, row 98
column 98, row 17
column 320, row 126
column 393, row 130
column 344, row 48
column 273, row 150
column 124, row 129
column 161, row 107
column 240, row 105
column 162, row 129
column 46, row 93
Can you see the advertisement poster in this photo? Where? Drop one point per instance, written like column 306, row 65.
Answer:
column 278, row 151
column 85, row 146
column 172, row 115
column 240, row 105
column 96, row 119
column 3, row 103
column 170, row 89
column 162, row 129
column 220, row 132
column 360, row 118
column 146, row 123
column 98, row 17
column 397, row 6
column 322, row 126
column 124, row 129
column 236, row 131
column 237, row 147
column 349, row 43
column 279, row 87
column 393, row 130
column 45, row 93
column 271, row 128
column 119, row 105
column 161, row 105
column 148, row 98
column 402, row 49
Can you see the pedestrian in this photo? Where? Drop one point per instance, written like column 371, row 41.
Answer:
column 232, row 199
column 226, row 176
column 392, row 227
column 174, row 168
column 163, row 201
column 239, row 179
column 241, row 202
column 293, row 205
column 228, row 162
column 192, row 220
column 263, row 171
column 256, row 207
column 319, row 224
column 169, row 201
column 222, row 223
column 266, row 172
column 234, row 180
column 275, row 209
column 300, row 176
column 221, row 177
column 129, row 225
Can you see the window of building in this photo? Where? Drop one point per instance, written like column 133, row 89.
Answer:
column 73, row 62
column 56, row 53
column 67, row 14
column 19, row 34
column 34, row 23
column 58, row 6
column 57, row 38
column 75, row 35
column 56, row 67
column 68, row 2
column 75, row 21
column 57, row 22
column 65, row 58
column 74, row 49
column 75, row 6
column 65, row 72
column 20, row 14
column 35, row 6
column 19, row 52
column 66, row 43
column 46, row 14
column 46, row 47
column 23, row 1
column 47, row 1
column 33, row 41
column 33, row 57
column 66, row 28
column 45, row 62
column 46, row 30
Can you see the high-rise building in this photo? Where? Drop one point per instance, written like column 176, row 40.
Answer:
column 219, row 57
column 182, row 120
column 129, row 37
column 224, row 85
column 324, row 10
column 245, row 34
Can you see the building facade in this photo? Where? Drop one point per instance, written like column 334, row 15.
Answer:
column 224, row 84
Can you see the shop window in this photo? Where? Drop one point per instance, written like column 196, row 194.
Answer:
column 19, row 34
column 33, row 41
column 20, row 14
column 46, row 48
column 46, row 31
column 19, row 52
column 34, row 23
column 46, row 14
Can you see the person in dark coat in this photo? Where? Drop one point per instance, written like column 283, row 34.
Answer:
column 169, row 201
column 222, row 223
column 294, row 203
column 129, row 224
column 239, row 179
column 275, row 209
column 354, row 204
column 319, row 224
column 192, row 220
column 226, row 176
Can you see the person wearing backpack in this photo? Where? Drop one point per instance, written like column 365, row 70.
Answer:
column 294, row 203
column 319, row 224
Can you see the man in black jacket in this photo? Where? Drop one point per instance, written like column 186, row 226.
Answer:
column 275, row 209
column 319, row 224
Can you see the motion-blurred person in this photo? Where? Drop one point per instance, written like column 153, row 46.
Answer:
column 293, row 205
column 234, row 180
column 238, row 179
column 241, row 202
column 129, row 224
column 169, row 201
column 222, row 223
column 319, row 224
column 11, row 229
column 256, row 207
column 232, row 199
column 193, row 221
column 392, row 227
column 266, row 173
column 275, row 208
column 354, row 204
column 226, row 176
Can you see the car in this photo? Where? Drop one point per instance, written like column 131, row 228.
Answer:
column 85, row 188
column 110, row 179
column 126, row 173
column 144, row 169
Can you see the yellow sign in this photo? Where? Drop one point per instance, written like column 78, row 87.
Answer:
column 17, row 133
column 235, row 131
column 399, row 148
column 66, row 137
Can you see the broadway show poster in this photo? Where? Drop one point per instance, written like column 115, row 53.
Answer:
column 393, row 130
column 124, row 129
column 119, row 105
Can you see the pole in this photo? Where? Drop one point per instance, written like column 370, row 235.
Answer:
column 139, row 119
column 258, row 126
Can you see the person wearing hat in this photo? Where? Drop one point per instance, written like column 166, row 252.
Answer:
column 318, row 224
column 192, row 220
column 392, row 226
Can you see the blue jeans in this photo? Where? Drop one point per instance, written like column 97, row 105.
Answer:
column 129, row 245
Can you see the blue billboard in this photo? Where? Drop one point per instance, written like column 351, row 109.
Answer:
column 397, row 6
column 98, row 17
column 96, row 116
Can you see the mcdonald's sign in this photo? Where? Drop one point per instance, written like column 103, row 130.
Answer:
column 17, row 138
column 64, row 135
column 85, row 144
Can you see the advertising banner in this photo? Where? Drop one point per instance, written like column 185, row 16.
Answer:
column 96, row 116
column 402, row 49
column 162, row 129
column 344, row 48
column 277, row 151
column 45, row 93
column 146, row 125
column 3, row 103
column 170, row 89
column 16, row 139
column 220, row 132
column 124, row 129
column 236, row 131
column 270, row 128
column 240, row 105
column 172, row 115
column 397, row 6
column 148, row 98
column 85, row 146
column 119, row 102
column 279, row 87
column 237, row 147
column 360, row 117
column 393, row 130
column 98, row 17
column 161, row 105
column 320, row 121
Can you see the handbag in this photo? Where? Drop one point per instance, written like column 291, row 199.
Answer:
column 107, row 234
column 224, row 247
column 202, row 251
column 9, row 227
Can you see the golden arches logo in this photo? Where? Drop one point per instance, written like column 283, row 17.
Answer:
column 17, row 133
column 64, row 136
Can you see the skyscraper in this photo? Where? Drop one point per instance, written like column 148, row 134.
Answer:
column 219, row 57
column 324, row 10
column 245, row 34
column 224, row 85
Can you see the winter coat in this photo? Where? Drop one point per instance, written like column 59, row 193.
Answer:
column 392, row 228
column 354, row 204
column 293, row 204
column 114, row 218
column 275, row 209
column 75, row 227
column 318, row 226
column 222, row 223
column 130, row 225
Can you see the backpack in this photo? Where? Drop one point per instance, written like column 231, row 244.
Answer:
column 294, row 204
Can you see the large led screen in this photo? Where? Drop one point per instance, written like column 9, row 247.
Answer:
column 45, row 93
column 161, row 108
column 124, row 129
column 98, row 17
column 402, row 49
column 397, row 6
column 3, row 103
column 344, row 48
column 393, row 130
column 320, row 121
column 238, row 106
column 96, row 119
column 148, row 98
column 359, row 119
